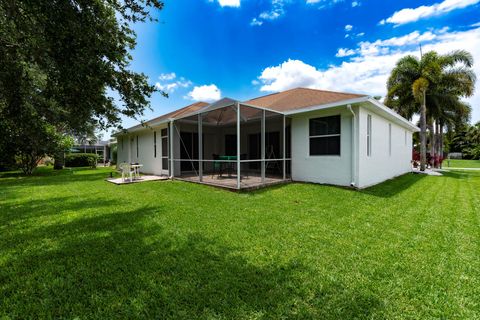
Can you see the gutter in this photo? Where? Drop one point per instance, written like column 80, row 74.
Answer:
column 328, row 105
column 395, row 115
column 354, row 155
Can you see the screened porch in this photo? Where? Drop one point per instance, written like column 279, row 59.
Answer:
column 231, row 145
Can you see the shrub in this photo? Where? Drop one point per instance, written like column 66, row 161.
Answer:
column 81, row 160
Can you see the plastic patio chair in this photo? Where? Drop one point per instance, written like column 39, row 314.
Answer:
column 126, row 171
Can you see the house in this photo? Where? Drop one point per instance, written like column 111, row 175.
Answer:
column 101, row 148
column 300, row 134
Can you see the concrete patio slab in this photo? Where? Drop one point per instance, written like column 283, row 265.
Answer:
column 143, row 178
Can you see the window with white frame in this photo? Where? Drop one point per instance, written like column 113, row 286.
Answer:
column 165, row 151
column 405, row 138
column 369, row 135
column 389, row 139
column 154, row 144
column 137, row 146
column 324, row 136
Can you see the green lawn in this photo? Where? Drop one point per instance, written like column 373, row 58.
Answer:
column 455, row 163
column 74, row 246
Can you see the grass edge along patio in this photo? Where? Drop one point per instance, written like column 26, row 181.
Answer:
column 300, row 134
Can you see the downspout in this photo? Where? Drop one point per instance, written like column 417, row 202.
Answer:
column 170, row 136
column 354, row 156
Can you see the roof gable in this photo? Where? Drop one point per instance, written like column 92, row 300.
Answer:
column 300, row 98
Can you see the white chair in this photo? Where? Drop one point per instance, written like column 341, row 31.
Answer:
column 126, row 171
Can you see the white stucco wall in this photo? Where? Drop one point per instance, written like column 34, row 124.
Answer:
column 382, row 165
column 336, row 170
column 127, row 151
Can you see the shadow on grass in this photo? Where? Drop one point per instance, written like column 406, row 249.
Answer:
column 124, row 265
column 51, row 177
column 458, row 174
column 385, row 189
column 393, row 187
column 44, row 171
column 13, row 212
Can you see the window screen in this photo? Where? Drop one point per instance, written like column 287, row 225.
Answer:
column 325, row 136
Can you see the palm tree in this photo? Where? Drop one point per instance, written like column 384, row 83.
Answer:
column 473, row 134
column 430, row 81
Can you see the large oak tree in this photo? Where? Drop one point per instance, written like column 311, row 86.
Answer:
column 60, row 63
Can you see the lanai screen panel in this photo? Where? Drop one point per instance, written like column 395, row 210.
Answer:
column 219, row 127
column 274, row 135
column 214, row 148
column 186, row 147
column 250, row 145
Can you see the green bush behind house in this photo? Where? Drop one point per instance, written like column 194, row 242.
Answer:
column 81, row 160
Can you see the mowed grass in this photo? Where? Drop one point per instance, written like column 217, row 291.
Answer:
column 457, row 163
column 74, row 246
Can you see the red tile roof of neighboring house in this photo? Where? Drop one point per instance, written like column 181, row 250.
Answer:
column 300, row 98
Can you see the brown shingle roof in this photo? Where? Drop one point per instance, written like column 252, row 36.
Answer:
column 182, row 111
column 293, row 99
column 300, row 98
column 174, row 114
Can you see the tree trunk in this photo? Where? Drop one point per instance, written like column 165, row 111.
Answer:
column 59, row 161
column 440, row 144
column 431, row 128
column 423, row 133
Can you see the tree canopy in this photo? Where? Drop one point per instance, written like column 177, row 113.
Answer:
column 432, row 87
column 60, row 62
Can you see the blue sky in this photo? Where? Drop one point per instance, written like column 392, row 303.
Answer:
column 207, row 49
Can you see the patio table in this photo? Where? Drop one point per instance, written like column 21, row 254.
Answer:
column 136, row 169
column 230, row 166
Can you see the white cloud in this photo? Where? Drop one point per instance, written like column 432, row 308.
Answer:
column 166, row 84
column 475, row 24
column 324, row 2
column 204, row 93
column 277, row 10
column 256, row 22
column 413, row 14
column 229, row 3
column 355, row 4
column 167, row 76
column 368, row 71
column 269, row 15
column 412, row 39
column 348, row 27
column 344, row 52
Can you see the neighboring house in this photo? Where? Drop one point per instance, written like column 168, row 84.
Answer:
column 300, row 134
column 101, row 148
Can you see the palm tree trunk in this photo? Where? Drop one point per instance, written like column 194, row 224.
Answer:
column 423, row 133
column 437, row 143
column 431, row 129
column 441, row 142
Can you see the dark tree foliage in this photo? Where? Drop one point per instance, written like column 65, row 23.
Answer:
column 59, row 59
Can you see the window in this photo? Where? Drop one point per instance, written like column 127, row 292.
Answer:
column 324, row 136
column 405, row 138
column 165, row 151
column 137, row 146
column 369, row 135
column 122, row 142
column 154, row 144
column 389, row 139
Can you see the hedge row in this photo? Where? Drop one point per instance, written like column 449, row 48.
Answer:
column 81, row 160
